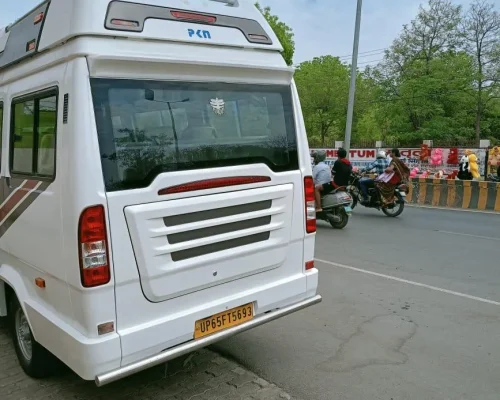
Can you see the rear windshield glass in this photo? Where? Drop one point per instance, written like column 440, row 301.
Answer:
column 147, row 128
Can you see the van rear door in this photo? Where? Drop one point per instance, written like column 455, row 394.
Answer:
column 204, row 176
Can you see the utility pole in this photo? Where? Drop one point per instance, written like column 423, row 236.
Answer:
column 354, row 70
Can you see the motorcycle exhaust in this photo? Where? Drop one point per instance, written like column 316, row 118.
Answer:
column 334, row 218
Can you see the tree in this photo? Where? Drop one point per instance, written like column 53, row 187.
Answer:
column 423, row 75
column 439, row 80
column 282, row 31
column 431, row 101
column 323, row 86
column 434, row 31
column 481, row 31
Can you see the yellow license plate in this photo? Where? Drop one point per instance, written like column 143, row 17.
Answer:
column 223, row 320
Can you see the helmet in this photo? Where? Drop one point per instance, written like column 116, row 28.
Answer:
column 381, row 154
column 319, row 156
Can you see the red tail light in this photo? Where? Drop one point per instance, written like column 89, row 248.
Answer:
column 31, row 45
column 38, row 18
column 309, row 265
column 310, row 204
column 125, row 22
column 93, row 246
column 187, row 16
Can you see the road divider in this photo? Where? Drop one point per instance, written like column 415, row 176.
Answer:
column 470, row 195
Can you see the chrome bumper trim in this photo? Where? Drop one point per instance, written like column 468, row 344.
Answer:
column 191, row 346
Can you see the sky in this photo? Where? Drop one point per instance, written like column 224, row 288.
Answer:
column 321, row 27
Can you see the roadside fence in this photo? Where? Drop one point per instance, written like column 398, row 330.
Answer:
column 470, row 195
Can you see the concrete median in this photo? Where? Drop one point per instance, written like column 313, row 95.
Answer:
column 470, row 195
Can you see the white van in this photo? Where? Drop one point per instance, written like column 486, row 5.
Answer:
column 156, row 182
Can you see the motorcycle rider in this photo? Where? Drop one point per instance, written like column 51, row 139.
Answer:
column 379, row 165
column 321, row 171
column 342, row 170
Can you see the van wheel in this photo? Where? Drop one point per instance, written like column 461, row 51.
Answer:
column 35, row 360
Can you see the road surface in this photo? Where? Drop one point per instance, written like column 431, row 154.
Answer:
column 411, row 310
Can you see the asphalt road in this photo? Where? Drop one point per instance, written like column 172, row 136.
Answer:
column 411, row 310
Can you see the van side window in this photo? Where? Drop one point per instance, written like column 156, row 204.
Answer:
column 34, row 125
column 1, row 126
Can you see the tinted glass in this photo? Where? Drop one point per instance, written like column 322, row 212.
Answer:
column 34, row 136
column 146, row 128
column 1, row 125
column 47, row 136
column 23, row 137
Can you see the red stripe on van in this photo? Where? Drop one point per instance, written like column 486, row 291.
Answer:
column 19, row 195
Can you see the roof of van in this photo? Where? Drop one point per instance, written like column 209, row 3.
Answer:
column 235, row 23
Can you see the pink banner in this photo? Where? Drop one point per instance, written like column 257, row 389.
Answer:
column 411, row 156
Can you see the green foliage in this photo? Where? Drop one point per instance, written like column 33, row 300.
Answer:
column 426, row 78
column 481, row 37
column 434, row 96
column 282, row 31
column 323, row 85
column 439, row 80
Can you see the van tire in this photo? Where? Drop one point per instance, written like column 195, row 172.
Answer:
column 42, row 363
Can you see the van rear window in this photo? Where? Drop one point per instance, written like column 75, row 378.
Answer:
column 147, row 128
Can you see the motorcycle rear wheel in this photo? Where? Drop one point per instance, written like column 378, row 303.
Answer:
column 395, row 212
column 344, row 219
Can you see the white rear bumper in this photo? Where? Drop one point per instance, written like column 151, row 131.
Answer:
column 186, row 348
column 109, row 358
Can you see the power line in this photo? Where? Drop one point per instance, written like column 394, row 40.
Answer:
column 347, row 57
column 376, row 51
column 371, row 61
column 362, row 62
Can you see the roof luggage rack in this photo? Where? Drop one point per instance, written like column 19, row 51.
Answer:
column 230, row 3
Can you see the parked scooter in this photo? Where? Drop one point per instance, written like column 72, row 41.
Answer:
column 394, row 210
column 336, row 207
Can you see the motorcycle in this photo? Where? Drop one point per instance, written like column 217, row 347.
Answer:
column 336, row 207
column 394, row 210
